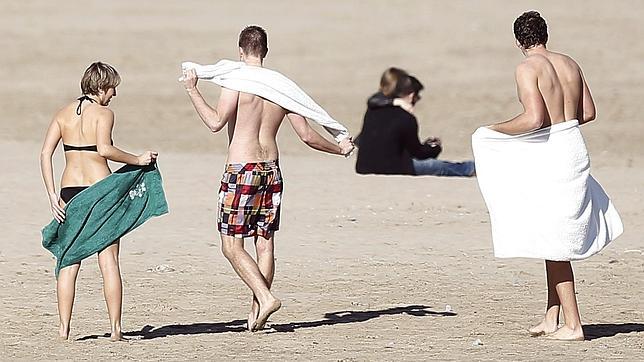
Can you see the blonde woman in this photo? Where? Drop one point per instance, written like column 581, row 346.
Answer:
column 85, row 127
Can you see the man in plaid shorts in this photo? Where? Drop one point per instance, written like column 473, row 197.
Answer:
column 251, row 187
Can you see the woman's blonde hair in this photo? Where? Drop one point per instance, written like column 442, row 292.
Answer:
column 99, row 76
column 389, row 80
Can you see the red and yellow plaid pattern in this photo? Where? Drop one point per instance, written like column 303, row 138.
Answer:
column 249, row 199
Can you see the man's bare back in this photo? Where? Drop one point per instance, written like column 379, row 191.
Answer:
column 552, row 89
column 252, row 134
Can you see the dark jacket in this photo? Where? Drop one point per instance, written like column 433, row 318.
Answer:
column 389, row 140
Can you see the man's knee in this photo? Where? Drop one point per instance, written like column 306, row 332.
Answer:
column 264, row 246
column 230, row 246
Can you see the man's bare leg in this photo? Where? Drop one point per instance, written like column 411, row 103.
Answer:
column 65, row 292
column 248, row 271
column 565, row 284
column 264, row 249
column 108, row 262
column 551, row 319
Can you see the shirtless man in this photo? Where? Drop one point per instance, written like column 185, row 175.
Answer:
column 552, row 89
column 250, row 194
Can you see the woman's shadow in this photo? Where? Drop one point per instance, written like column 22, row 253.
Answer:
column 340, row 317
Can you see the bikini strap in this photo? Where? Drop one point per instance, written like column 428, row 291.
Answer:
column 80, row 102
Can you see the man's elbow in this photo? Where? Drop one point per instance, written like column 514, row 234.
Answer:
column 214, row 128
column 216, row 124
column 307, row 139
column 534, row 121
column 589, row 116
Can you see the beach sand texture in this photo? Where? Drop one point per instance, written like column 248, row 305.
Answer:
column 366, row 265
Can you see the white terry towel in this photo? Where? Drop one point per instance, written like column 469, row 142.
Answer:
column 270, row 85
column 542, row 200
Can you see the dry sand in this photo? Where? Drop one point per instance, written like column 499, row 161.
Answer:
column 365, row 265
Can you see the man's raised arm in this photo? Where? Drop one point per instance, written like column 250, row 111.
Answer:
column 534, row 109
column 214, row 119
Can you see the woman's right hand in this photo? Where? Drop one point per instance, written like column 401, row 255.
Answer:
column 147, row 158
column 56, row 210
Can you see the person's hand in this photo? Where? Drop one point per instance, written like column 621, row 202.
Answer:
column 147, row 158
column 433, row 141
column 399, row 102
column 346, row 146
column 189, row 79
column 56, row 210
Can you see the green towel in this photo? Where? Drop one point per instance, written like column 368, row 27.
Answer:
column 99, row 215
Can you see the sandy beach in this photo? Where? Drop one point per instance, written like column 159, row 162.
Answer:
column 368, row 267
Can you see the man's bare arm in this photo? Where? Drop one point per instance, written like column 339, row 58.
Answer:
column 534, row 109
column 311, row 137
column 586, row 111
column 214, row 119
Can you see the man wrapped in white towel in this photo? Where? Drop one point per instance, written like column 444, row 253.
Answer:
column 253, row 102
column 534, row 174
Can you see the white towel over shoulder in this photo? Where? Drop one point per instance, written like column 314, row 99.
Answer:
column 270, row 85
column 542, row 200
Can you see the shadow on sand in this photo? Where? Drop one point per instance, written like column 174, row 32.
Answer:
column 340, row 317
column 596, row 331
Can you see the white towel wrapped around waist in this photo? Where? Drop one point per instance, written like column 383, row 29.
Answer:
column 270, row 85
column 542, row 200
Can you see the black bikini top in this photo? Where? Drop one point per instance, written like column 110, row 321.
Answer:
column 80, row 102
column 90, row 148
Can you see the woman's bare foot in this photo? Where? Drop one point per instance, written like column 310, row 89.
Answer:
column 63, row 333
column 117, row 337
column 542, row 328
column 266, row 312
column 566, row 333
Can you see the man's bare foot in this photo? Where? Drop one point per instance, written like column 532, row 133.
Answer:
column 542, row 328
column 566, row 333
column 266, row 312
column 117, row 337
column 252, row 316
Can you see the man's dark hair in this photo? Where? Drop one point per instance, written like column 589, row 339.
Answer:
column 254, row 41
column 530, row 29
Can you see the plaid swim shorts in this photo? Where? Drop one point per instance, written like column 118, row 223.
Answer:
column 249, row 199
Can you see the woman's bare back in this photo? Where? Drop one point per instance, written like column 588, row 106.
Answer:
column 82, row 167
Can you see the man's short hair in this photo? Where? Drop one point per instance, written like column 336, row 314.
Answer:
column 99, row 76
column 254, row 41
column 530, row 29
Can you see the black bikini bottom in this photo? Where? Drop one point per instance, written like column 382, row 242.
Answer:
column 66, row 193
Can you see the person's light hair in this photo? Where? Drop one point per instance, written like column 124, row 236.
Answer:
column 389, row 80
column 99, row 76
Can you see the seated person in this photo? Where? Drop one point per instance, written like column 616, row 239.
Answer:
column 388, row 142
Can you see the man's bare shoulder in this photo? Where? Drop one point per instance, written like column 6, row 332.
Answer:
column 530, row 65
column 564, row 58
